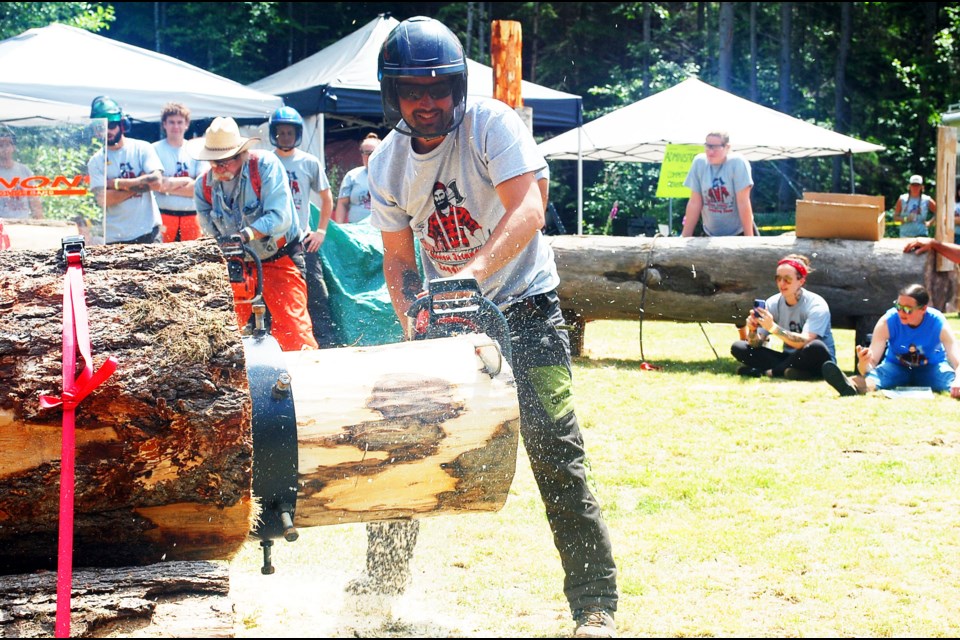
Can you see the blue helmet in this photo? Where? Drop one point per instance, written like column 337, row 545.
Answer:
column 286, row 115
column 421, row 47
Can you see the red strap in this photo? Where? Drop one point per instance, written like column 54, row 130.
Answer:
column 76, row 335
column 4, row 238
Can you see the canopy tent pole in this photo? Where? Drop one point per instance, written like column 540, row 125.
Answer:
column 853, row 178
column 579, row 183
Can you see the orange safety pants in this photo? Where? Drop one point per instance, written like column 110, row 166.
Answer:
column 180, row 227
column 285, row 294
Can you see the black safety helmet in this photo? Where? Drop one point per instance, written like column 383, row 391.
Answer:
column 421, row 47
column 286, row 115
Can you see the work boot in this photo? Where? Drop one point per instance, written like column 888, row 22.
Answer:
column 594, row 622
column 389, row 549
column 836, row 379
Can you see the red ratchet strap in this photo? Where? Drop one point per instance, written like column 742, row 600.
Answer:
column 76, row 335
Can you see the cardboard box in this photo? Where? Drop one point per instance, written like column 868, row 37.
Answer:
column 845, row 198
column 836, row 215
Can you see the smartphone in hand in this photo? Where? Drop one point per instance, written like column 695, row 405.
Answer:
column 759, row 304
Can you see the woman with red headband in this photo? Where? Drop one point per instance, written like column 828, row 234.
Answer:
column 796, row 316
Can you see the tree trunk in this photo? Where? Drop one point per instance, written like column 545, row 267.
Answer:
column 725, row 46
column 163, row 447
column 717, row 279
column 167, row 600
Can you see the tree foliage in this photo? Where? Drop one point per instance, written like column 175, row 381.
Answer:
column 900, row 69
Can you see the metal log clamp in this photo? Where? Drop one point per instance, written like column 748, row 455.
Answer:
column 275, row 456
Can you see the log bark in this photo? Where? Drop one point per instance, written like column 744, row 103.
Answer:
column 716, row 279
column 166, row 600
column 163, row 447
column 403, row 431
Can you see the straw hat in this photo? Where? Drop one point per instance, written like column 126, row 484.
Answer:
column 222, row 140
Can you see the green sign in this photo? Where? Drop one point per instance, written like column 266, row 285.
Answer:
column 673, row 171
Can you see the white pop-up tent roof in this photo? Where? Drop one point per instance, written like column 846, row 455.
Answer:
column 63, row 64
column 341, row 81
column 684, row 114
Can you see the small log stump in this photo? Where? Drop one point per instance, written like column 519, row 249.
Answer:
column 166, row 600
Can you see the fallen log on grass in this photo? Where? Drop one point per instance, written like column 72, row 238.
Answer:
column 717, row 279
column 165, row 454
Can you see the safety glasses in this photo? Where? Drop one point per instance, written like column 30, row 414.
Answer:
column 415, row 92
column 225, row 161
column 902, row 308
column 714, row 147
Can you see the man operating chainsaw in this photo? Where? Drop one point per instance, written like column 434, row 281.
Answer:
column 484, row 160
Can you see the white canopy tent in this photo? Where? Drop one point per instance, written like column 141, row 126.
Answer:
column 62, row 64
column 340, row 81
column 684, row 114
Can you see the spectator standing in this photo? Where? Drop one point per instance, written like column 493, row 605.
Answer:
column 305, row 174
column 913, row 210
column 912, row 345
column 247, row 195
column 13, row 173
column 720, row 184
column 123, row 177
column 799, row 318
column 487, row 161
column 177, row 209
column 353, row 201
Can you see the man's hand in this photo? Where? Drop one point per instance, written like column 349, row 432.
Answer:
column 918, row 246
column 313, row 240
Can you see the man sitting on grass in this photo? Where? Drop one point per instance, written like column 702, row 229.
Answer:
column 920, row 351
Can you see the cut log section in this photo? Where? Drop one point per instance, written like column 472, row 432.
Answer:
column 408, row 430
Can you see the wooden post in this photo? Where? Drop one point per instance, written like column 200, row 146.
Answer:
column 506, row 56
column 946, row 188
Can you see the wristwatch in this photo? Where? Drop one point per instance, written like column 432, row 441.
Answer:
column 246, row 235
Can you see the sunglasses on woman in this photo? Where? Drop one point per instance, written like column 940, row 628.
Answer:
column 905, row 308
column 415, row 92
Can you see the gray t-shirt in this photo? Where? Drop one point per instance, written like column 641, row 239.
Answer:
column 811, row 314
column 718, row 186
column 354, row 186
column 305, row 173
column 11, row 204
column 138, row 215
column 177, row 163
column 448, row 197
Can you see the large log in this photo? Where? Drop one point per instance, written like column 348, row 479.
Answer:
column 163, row 453
column 716, row 279
column 165, row 448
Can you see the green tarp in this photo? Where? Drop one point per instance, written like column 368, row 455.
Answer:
column 352, row 258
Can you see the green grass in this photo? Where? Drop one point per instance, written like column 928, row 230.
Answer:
column 738, row 507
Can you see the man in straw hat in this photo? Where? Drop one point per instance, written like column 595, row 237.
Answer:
column 245, row 194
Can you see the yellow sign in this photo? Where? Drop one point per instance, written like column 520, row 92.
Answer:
column 673, row 171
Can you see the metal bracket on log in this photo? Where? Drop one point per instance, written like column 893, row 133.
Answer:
column 274, row 443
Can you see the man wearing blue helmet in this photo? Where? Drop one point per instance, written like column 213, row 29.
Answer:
column 305, row 173
column 464, row 178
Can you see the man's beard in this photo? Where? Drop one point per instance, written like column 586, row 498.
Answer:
column 113, row 141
